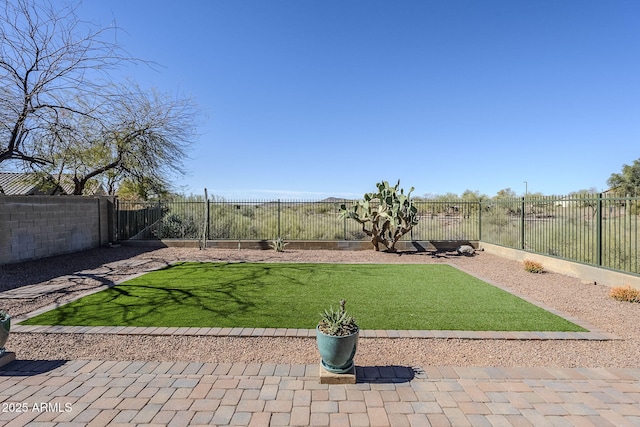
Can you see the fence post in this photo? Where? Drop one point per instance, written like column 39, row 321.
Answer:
column 279, row 218
column 117, row 210
column 208, row 219
column 480, row 220
column 205, row 226
column 344, row 223
column 158, row 213
column 599, row 230
column 522, row 225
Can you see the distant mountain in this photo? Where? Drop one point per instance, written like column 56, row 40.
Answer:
column 334, row 200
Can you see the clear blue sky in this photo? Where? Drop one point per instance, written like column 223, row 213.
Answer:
column 310, row 99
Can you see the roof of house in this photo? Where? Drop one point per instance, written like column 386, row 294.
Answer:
column 92, row 187
column 27, row 184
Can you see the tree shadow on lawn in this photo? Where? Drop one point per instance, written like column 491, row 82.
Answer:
column 140, row 302
column 192, row 294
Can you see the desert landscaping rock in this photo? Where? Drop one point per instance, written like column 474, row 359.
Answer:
column 585, row 302
column 466, row 250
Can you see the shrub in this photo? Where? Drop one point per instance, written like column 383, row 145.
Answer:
column 174, row 226
column 625, row 293
column 532, row 266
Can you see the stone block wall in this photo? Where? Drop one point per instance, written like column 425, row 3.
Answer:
column 33, row 227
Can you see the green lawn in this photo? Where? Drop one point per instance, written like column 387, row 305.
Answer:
column 387, row 296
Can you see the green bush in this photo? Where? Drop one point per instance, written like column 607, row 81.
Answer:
column 174, row 226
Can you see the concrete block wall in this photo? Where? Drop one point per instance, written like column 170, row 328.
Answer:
column 33, row 227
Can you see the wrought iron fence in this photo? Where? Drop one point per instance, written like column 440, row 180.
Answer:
column 135, row 220
column 446, row 220
column 292, row 220
column 591, row 229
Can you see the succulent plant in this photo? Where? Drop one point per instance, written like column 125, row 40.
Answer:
column 278, row 244
column 4, row 315
column 337, row 323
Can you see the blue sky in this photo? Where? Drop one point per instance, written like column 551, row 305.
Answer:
column 310, row 99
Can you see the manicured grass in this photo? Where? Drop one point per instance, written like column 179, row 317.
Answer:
column 387, row 296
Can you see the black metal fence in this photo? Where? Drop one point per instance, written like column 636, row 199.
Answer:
column 591, row 229
column 137, row 220
column 292, row 220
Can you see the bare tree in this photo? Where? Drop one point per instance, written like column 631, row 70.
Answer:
column 141, row 136
column 49, row 59
column 61, row 114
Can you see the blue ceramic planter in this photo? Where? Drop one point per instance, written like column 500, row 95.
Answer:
column 5, row 327
column 337, row 352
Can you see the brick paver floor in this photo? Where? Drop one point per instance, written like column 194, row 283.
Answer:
column 100, row 393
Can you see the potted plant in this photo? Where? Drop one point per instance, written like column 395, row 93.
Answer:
column 337, row 339
column 5, row 326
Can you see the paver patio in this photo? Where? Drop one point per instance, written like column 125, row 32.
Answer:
column 99, row 393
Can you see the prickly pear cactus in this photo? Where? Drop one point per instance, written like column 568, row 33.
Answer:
column 388, row 213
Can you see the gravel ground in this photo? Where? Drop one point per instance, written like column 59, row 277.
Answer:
column 586, row 302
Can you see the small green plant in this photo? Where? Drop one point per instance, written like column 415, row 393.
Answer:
column 338, row 323
column 625, row 293
column 532, row 266
column 5, row 326
column 278, row 244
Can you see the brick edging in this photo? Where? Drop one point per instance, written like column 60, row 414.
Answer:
column 310, row 333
